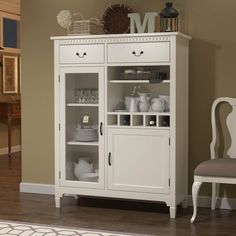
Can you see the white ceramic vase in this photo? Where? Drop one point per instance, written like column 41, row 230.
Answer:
column 82, row 167
column 158, row 105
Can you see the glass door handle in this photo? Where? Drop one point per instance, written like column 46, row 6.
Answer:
column 101, row 125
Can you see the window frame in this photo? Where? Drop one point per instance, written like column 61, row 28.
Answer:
column 12, row 17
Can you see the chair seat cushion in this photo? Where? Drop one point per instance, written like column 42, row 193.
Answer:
column 223, row 167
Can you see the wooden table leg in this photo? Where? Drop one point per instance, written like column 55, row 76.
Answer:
column 9, row 140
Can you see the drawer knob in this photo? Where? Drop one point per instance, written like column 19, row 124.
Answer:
column 137, row 54
column 82, row 55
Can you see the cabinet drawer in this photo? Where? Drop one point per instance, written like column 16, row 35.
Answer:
column 139, row 52
column 90, row 53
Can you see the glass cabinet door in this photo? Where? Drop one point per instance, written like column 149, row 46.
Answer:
column 81, row 126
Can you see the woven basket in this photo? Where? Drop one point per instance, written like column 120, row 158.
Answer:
column 85, row 27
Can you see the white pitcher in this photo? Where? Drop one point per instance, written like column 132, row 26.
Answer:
column 127, row 102
column 133, row 104
column 158, row 105
column 144, row 102
column 166, row 98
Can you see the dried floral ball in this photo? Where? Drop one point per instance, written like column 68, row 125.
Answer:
column 64, row 18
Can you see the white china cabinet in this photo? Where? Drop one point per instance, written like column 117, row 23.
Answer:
column 106, row 143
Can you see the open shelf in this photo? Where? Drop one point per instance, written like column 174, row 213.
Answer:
column 136, row 82
column 139, row 119
column 74, row 142
column 138, row 113
column 82, row 105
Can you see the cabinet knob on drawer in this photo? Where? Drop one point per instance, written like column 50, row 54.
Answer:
column 81, row 55
column 137, row 54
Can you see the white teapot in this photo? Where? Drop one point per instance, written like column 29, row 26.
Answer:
column 83, row 166
column 157, row 105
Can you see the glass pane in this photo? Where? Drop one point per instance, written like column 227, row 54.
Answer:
column 82, row 117
column 11, row 33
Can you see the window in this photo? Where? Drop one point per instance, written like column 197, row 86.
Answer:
column 10, row 32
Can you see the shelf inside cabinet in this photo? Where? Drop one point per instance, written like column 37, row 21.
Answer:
column 139, row 119
column 74, row 142
column 82, row 105
column 136, row 82
column 137, row 113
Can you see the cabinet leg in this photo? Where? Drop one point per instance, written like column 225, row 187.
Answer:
column 173, row 212
column 184, row 203
column 57, row 202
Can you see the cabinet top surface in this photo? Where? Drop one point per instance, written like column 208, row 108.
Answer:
column 108, row 36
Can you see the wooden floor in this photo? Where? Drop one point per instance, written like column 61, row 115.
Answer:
column 122, row 216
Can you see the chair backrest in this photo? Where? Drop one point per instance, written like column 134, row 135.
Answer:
column 231, row 125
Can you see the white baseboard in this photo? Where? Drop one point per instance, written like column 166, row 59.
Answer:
column 4, row 151
column 203, row 201
column 37, row 188
column 222, row 203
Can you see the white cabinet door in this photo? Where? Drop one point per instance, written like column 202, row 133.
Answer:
column 138, row 160
column 82, row 100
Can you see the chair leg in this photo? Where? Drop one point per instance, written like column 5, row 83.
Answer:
column 215, row 194
column 195, row 190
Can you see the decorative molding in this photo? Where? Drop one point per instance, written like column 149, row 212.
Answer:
column 106, row 37
column 114, row 40
column 4, row 151
column 37, row 188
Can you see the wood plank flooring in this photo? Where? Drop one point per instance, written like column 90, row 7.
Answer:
column 105, row 214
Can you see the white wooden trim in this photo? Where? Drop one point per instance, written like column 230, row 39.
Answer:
column 37, row 188
column 4, row 151
column 162, row 36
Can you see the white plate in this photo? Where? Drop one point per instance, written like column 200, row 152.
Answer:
column 91, row 177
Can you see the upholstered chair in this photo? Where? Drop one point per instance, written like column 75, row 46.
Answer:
column 217, row 170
